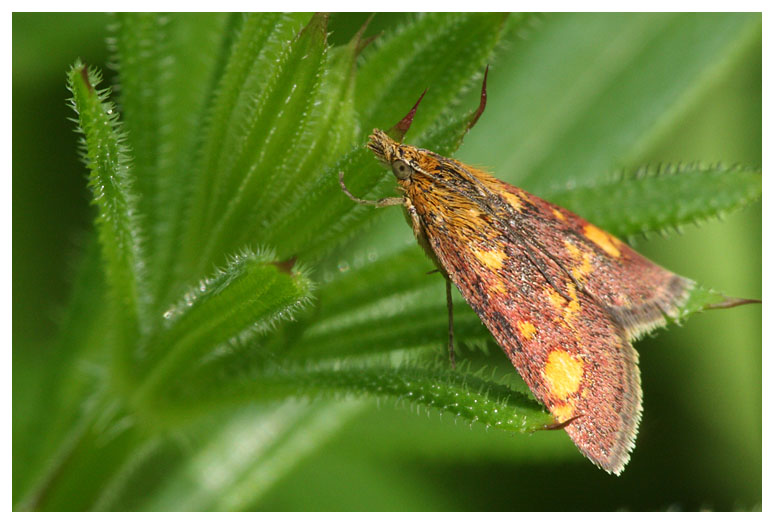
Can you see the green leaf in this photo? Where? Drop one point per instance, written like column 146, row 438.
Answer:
column 611, row 98
column 229, row 460
column 252, row 450
column 463, row 394
column 320, row 214
column 658, row 199
column 197, row 47
column 139, row 43
column 312, row 426
column 402, row 64
column 244, row 122
column 249, row 69
column 311, row 222
column 395, row 323
column 250, row 296
column 346, row 288
column 701, row 299
column 52, row 412
column 111, row 182
column 258, row 92
column 94, row 446
column 389, row 304
column 327, row 129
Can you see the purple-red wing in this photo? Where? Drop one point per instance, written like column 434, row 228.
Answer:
column 608, row 397
column 563, row 299
column 638, row 293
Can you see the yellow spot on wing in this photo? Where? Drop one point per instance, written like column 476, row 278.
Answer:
column 563, row 373
column 569, row 309
column 562, row 412
column 514, row 201
column 606, row 241
column 555, row 298
column 492, row 259
column 573, row 306
column 527, row 329
column 497, row 289
column 558, row 214
column 582, row 260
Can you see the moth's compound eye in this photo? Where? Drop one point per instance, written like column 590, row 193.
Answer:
column 402, row 170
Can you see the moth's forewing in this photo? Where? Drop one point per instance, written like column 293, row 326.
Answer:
column 571, row 354
column 562, row 297
column 639, row 294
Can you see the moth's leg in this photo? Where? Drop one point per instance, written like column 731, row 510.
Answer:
column 382, row 203
column 451, row 332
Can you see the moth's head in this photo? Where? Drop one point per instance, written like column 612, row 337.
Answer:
column 402, row 159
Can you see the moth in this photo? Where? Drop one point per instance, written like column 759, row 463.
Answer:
column 563, row 298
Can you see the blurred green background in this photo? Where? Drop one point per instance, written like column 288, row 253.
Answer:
column 699, row 445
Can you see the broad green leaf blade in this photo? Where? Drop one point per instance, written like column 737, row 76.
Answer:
column 316, row 218
column 95, row 444
column 251, row 295
column 404, row 435
column 42, row 422
column 264, row 98
column 140, row 51
column 389, row 304
column 198, row 44
column 237, row 459
column 623, row 76
column 324, row 132
column 464, row 394
column 250, row 67
column 353, row 288
column 94, row 461
column 111, row 181
column 315, row 426
column 659, row 199
column 284, row 127
column 139, row 475
column 411, row 321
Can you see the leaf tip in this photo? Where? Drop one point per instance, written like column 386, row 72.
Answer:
column 85, row 77
column 358, row 42
column 398, row 131
column 286, row 266
column 482, row 101
column 317, row 24
column 731, row 302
